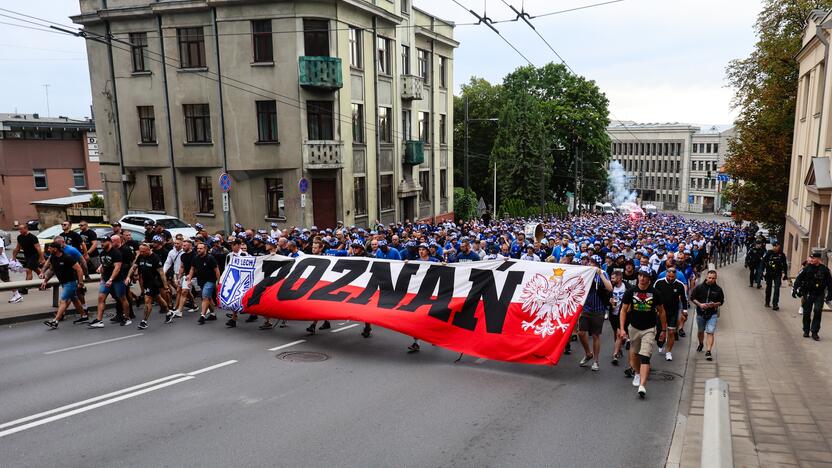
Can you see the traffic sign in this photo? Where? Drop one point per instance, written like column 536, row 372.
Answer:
column 225, row 182
column 303, row 185
column 303, row 200
column 225, row 204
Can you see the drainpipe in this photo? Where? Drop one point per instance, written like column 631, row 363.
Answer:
column 174, row 181
column 378, row 135
column 226, row 215
column 431, row 133
column 116, row 120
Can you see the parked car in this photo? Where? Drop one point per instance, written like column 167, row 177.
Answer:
column 726, row 213
column 48, row 235
column 172, row 224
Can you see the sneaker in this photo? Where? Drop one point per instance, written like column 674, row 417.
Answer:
column 83, row 319
column 282, row 324
column 636, row 380
column 642, row 392
column 53, row 324
column 266, row 326
column 595, row 366
column 766, row 305
column 16, row 297
column 96, row 324
column 681, row 333
column 142, row 324
column 815, row 337
column 708, row 356
column 627, row 345
column 775, row 308
column 168, row 318
column 115, row 319
column 800, row 311
column 177, row 313
column 231, row 323
column 310, row 329
column 668, row 356
column 413, row 348
column 211, row 316
column 326, row 325
column 661, row 349
column 126, row 322
column 191, row 309
column 201, row 320
column 568, row 349
column 629, row 372
column 700, row 348
column 251, row 318
column 615, row 359
column 805, row 334
column 585, row 361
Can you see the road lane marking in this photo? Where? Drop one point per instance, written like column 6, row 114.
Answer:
column 93, row 344
column 84, row 409
column 210, row 368
column 345, row 328
column 88, row 401
column 287, row 345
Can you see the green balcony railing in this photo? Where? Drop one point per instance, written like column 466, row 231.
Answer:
column 321, row 73
column 414, row 152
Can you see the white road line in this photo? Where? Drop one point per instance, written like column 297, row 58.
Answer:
column 93, row 344
column 90, row 400
column 210, row 368
column 93, row 406
column 287, row 345
column 345, row 328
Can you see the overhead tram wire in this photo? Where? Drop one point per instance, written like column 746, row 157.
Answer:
column 488, row 22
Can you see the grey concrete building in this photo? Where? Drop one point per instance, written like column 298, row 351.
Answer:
column 674, row 166
column 353, row 96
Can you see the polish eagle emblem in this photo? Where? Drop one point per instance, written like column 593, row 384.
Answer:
column 550, row 301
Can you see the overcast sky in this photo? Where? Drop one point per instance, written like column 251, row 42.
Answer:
column 656, row 60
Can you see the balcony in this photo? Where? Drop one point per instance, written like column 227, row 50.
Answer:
column 414, row 152
column 323, row 154
column 413, row 88
column 320, row 73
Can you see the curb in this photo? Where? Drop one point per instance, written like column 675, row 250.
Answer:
column 42, row 315
column 677, row 441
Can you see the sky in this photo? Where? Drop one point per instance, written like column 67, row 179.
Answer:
column 656, row 60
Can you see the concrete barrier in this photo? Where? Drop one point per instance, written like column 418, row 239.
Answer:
column 717, row 450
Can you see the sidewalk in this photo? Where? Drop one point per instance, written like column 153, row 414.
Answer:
column 35, row 305
column 780, row 383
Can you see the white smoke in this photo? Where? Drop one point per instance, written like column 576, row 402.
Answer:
column 617, row 185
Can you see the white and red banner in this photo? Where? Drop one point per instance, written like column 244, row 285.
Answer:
column 514, row 311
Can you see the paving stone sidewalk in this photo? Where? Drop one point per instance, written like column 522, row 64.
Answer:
column 780, row 383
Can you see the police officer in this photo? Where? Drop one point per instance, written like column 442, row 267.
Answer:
column 813, row 283
column 774, row 268
column 754, row 263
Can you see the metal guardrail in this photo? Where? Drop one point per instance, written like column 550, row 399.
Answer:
column 717, row 449
column 35, row 284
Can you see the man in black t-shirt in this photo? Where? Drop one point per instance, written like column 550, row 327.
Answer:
column 69, row 275
column 672, row 294
column 207, row 273
column 185, row 295
column 90, row 239
column 33, row 255
column 639, row 309
column 153, row 281
column 113, row 267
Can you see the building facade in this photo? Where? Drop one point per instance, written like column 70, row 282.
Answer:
column 42, row 158
column 810, row 180
column 671, row 165
column 353, row 97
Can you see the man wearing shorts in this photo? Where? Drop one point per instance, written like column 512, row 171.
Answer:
column 591, row 321
column 707, row 297
column 186, row 260
column 4, row 270
column 153, row 282
column 671, row 295
column 112, row 264
column 619, row 288
column 207, row 272
column 69, row 275
column 33, row 256
column 638, row 312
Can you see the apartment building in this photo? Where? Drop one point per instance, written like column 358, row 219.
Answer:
column 349, row 100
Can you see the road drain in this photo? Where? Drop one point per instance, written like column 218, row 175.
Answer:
column 302, row 356
column 663, row 375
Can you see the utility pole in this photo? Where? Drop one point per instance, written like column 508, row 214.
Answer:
column 466, row 144
column 542, row 179
column 575, row 151
column 46, row 90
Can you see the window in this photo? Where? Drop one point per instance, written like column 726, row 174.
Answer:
column 204, row 195
column 360, row 194
column 424, row 126
column 383, row 53
column 407, row 134
column 443, row 72
column 386, row 192
column 316, row 38
column 40, row 179
column 716, row 147
column 261, row 32
column 708, row 150
column 147, row 124
column 157, row 193
column 138, row 48
column 424, row 66
column 266, row 121
column 405, row 60
column 357, row 123
column 424, row 181
column 405, row 7
column 275, row 204
column 443, row 129
column 695, row 147
column 197, row 123
column 319, row 120
column 79, row 178
column 191, row 47
column 443, row 183
column 356, row 56
column 385, row 124
column 805, row 101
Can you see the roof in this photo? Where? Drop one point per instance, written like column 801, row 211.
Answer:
column 819, row 174
column 65, row 201
column 17, row 120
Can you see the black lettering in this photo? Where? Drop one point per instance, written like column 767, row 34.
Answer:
column 483, row 286
column 439, row 308
column 355, row 268
column 382, row 281
column 286, row 291
column 274, row 272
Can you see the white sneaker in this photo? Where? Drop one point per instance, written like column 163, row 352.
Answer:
column 176, row 313
column 585, row 361
column 642, row 391
column 799, row 310
column 595, row 366
column 16, row 297
column 637, row 380
column 668, row 356
column 661, row 350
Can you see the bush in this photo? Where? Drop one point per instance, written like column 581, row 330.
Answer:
column 96, row 201
column 465, row 204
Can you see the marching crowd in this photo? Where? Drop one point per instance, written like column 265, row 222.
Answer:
column 648, row 271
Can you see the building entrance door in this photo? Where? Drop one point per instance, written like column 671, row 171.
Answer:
column 707, row 204
column 409, row 208
column 323, row 203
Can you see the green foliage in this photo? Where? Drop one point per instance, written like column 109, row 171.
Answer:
column 513, row 208
column 766, row 95
column 96, row 201
column 465, row 204
column 484, row 102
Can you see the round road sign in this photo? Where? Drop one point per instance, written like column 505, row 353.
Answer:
column 225, row 182
column 303, row 185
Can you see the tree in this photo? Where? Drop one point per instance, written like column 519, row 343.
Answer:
column 766, row 95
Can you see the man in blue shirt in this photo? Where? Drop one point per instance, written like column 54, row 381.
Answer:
column 465, row 253
column 384, row 251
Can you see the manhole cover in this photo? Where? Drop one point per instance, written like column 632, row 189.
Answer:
column 302, row 356
column 663, row 375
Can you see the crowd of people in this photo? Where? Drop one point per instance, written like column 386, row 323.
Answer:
column 648, row 270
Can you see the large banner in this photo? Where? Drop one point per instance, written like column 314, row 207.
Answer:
column 501, row 310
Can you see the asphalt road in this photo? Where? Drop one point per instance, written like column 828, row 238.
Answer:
column 137, row 401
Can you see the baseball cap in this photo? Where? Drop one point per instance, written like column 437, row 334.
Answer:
column 645, row 271
column 816, row 255
column 158, row 239
column 149, row 222
column 199, row 226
